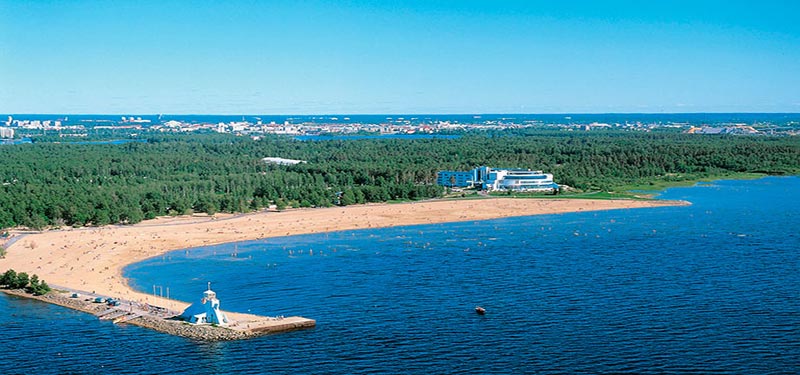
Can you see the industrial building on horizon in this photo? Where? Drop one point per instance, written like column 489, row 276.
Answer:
column 489, row 179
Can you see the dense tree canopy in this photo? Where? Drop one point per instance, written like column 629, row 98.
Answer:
column 79, row 184
column 13, row 280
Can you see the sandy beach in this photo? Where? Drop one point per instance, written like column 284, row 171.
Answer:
column 92, row 259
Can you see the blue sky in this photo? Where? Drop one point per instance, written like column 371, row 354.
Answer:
column 315, row 57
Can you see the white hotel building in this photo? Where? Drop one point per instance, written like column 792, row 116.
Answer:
column 518, row 180
column 498, row 179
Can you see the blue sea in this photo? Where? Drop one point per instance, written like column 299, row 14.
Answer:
column 20, row 141
column 709, row 288
column 104, row 142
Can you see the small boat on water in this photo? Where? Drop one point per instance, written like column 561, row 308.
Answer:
column 480, row 310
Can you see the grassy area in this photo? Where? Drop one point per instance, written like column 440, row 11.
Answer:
column 664, row 184
column 582, row 195
column 467, row 195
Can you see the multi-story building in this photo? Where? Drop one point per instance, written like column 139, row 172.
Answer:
column 498, row 179
column 6, row 133
column 456, row 178
column 519, row 180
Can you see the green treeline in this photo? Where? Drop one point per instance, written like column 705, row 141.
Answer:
column 13, row 280
column 69, row 184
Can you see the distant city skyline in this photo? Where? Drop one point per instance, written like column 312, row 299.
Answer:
column 411, row 57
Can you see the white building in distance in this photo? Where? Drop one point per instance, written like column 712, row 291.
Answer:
column 6, row 133
column 282, row 161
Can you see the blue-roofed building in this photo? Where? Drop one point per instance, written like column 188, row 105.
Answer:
column 456, row 178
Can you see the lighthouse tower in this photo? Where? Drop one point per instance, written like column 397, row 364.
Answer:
column 206, row 311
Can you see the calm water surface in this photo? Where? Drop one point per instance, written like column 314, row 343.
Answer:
column 708, row 288
column 21, row 141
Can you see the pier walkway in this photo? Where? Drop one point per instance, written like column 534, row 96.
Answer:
column 242, row 326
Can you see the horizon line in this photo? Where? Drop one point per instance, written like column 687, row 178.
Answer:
column 396, row 113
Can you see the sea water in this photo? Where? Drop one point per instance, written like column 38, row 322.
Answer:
column 711, row 287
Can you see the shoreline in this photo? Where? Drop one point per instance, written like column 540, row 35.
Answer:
column 92, row 259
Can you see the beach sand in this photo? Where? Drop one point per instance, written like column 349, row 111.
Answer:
column 92, row 259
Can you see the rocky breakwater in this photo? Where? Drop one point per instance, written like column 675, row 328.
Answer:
column 244, row 325
column 176, row 327
column 61, row 300
column 237, row 331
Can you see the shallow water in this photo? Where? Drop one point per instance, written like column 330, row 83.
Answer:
column 711, row 287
